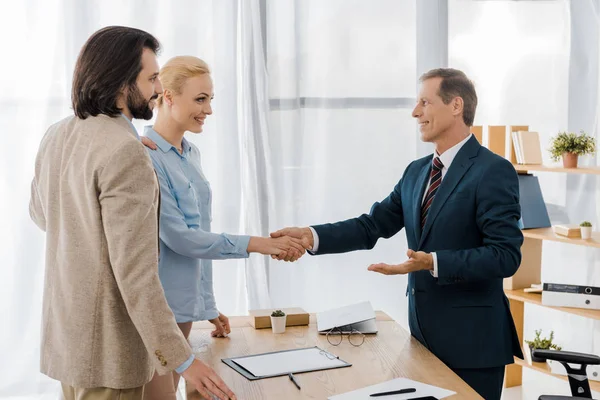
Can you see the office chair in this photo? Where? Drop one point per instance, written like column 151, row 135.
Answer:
column 578, row 380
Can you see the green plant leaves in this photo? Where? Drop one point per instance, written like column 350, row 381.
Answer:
column 569, row 142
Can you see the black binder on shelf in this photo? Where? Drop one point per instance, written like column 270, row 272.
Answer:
column 533, row 209
column 281, row 363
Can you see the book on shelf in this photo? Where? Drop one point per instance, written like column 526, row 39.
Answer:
column 527, row 147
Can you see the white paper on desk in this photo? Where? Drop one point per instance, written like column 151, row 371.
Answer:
column 288, row 361
column 395, row 384
column 343, row 316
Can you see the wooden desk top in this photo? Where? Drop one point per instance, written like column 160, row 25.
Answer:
column 391, row 353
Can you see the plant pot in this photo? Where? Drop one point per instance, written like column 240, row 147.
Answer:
column 536, row 359
column 278, row 324
column 586, row 232
column 569, row 160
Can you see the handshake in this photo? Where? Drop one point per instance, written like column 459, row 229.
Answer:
column 288, row 244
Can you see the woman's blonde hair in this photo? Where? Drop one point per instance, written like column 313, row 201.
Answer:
column 178, row 70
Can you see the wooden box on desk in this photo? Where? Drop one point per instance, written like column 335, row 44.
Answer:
column 262, row 318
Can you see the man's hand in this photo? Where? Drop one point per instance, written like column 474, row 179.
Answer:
column 221, row 324
column 303, row 234
column 149, row 143
column 207, row 382
column 417, row 261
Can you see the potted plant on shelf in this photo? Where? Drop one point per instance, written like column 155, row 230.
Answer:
column 570, row 146
column 542, row 344
column 278, row 318
column 586, row 229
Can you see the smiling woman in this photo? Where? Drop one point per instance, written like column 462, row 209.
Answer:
column 187, row 245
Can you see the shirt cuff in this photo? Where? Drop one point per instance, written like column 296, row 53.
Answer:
column 315, row 247
column 207, row 315
column 241, row 247
column 435, row 266
column 181, row 369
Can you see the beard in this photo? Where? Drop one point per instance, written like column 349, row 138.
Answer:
column 138, row 105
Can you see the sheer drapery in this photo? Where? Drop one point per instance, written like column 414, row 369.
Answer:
column 342, row 83
column 43, row 41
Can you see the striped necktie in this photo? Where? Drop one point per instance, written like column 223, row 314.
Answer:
column 434, row 183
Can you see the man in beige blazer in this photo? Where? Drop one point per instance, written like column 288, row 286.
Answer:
column 106, row 324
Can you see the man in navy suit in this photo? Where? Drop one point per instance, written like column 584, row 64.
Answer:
column 460, row 210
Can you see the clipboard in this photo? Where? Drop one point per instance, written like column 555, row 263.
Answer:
column 237, row 366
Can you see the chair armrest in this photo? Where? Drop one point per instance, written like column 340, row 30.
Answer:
column 567, row 356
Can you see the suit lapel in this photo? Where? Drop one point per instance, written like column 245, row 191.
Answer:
column 460, row 165
column 421, row 184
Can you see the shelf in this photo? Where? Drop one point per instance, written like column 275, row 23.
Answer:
column 536, row 298
column 548, row 234
column 545, row 368
column 546, row 168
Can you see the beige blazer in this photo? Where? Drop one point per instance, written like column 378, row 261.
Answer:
column 106, row 322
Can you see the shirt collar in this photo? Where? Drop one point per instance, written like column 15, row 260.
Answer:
column 131, row 125
column 448, row 156
column 162, row 143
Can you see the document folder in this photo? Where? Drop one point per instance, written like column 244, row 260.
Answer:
column 533, row 209
column 562, row 295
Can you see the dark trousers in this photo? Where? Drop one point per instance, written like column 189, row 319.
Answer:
column 486, row 381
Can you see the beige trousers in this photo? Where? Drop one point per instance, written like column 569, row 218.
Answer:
column 165, row 387
column 71, row 393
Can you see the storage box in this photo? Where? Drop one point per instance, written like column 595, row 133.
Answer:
column 571, row 231
column 262, row 318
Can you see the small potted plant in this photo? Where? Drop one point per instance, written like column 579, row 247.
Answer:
column 570, row 146
column 542, row 344
column 278, row 318
column 586, row 229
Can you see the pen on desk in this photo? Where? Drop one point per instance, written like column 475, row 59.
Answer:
column 401, row 391
column 293, row 379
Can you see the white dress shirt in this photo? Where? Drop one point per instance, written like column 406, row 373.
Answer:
column 446, row 158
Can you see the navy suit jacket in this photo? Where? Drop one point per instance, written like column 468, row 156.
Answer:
column 462, row 316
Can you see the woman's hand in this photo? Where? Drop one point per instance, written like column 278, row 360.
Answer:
column 149, row 143
column 285, row 247
column 221, row 324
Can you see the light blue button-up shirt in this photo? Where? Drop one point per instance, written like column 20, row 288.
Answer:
column 186, row 364
column 187, row 247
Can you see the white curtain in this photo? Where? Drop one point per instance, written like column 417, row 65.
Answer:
column 42, row 41
column 342, row 83
column 254, row 153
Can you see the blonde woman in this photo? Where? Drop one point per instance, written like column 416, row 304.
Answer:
column 187, row 246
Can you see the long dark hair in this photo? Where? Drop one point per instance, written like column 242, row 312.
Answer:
column 109, row 61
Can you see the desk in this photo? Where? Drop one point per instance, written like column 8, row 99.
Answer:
column 391, row 353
